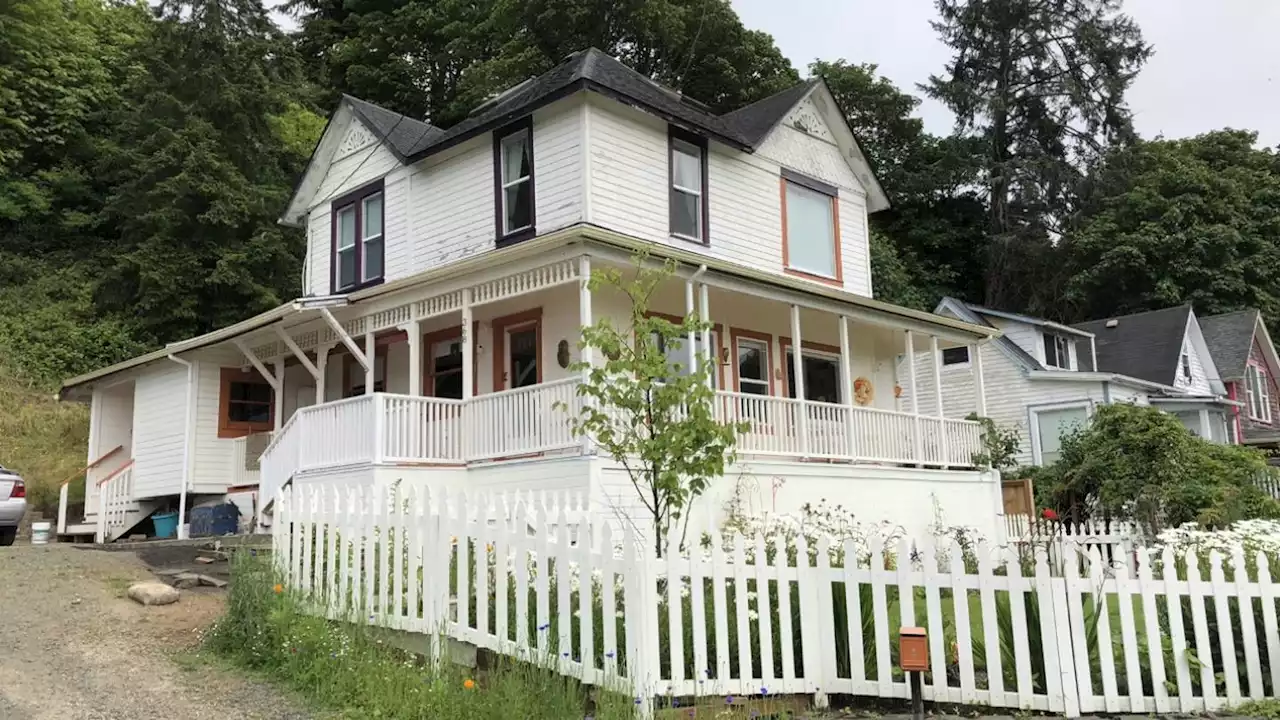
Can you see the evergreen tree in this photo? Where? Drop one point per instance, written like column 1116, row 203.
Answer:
column 1041, row 83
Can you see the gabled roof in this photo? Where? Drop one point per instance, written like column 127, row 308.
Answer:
column 1230, row 340
column 1038, row 322
column 1144, row 345
column 400, row 132
column 973, row 314
column 755, row 121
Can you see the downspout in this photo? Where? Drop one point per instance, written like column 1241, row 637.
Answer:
column 186, row 444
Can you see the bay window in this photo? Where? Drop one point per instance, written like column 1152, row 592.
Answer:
column 810, row 228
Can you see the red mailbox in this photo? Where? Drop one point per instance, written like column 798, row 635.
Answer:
column 913, row 649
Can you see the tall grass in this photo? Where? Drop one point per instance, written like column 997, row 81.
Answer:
column 43, row 439
column 348, row 667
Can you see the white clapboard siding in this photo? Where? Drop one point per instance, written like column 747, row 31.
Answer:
column 1146, row 633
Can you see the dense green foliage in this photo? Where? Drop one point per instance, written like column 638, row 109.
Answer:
column 147, row 149
column 1140, row 463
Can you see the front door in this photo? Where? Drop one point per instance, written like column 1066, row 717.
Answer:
column 522, row 357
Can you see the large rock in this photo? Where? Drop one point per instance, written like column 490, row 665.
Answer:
column 153, row 593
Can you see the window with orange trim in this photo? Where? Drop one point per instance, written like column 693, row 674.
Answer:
column 810, row 227
column 246, row 404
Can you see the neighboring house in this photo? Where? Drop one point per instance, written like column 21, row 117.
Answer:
column 445, row 288
column 1045, row 379
column 1246, row 360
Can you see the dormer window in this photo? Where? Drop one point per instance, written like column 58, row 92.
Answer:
column 358, row 247
column 1057, row 351
column 1184, row 363
column 513, row 182
column 688, row 186
column 810, row 228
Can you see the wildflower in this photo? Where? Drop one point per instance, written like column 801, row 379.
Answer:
column 1049, row 514
column 675, row 702
column 728, row 700
column 279, row 588
column 638, row 701
column 543, row 627
column 469, row 684
column 691, row 712
column 609, row 654
column 764, row 691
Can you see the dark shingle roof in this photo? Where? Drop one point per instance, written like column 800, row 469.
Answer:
column 753, row 122
column 587, row 68
column 1230, row 339
column 401, row 132
column 1144, row 345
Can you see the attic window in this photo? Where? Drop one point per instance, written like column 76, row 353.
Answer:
column 1185, row 363
column 1057, row 351
column 688, row 186
column 513, row 178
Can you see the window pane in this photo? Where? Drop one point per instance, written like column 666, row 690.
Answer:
column 447, row 355
column 821, row 378
column 346, row 227
column 347, row 267
column 751, row 362
column 449, row 385
column 1050, row 351
column 686, row 211
column 811, row 242
column 686, row 166
column 955, row 355
column 515, row 157
column 519, row 206
column 373, row 259
column 1053, row 425
column 372, row 216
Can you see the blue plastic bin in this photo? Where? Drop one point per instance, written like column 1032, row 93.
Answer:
column 166, row 524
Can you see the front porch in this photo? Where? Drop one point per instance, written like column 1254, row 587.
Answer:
column 476, row 372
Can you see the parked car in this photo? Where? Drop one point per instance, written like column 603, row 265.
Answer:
column 13, row 505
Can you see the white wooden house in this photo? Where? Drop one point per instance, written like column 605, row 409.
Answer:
column 444, row 295
column 1046, row 378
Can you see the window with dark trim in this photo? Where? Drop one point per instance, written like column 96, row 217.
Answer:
column 810, row 228
column 246, row 404
column 687, row 186
column 955, row 355
column 358, row 239
column 513, row 182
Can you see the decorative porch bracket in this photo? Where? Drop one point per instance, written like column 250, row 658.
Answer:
column 297, row 352
column 342, row 335
column 267, row 375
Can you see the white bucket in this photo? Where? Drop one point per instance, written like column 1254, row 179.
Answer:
column 40, row 533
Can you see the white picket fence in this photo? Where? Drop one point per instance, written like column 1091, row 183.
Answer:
column 1113, row 540
column 551, row 582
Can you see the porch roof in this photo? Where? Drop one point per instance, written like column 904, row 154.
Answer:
column 581, row 233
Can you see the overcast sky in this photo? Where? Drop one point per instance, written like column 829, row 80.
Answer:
column 1216, row 63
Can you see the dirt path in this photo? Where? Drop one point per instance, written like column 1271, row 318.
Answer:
column 72, row 647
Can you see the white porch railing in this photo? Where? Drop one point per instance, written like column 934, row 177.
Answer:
column 521, row 422
column 115, row 497
column 513, row 423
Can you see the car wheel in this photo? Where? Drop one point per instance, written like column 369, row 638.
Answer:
column 8, row 535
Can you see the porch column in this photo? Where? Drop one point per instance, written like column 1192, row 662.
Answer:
column 691, row 343
column 937, row 398
column 846, row 385
column 585, row 320
column 412, row 329
column 915, row 397
column 707, row 351
column 322, row 362
column 979, row 383
column 279, row 393
column 370, row 372
column 468, row 347
column 798, row 363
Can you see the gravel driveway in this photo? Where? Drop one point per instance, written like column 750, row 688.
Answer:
column 72, row 647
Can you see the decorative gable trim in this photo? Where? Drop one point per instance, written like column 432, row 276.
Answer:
column 358, row 137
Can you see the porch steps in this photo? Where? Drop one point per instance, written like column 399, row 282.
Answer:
column 143, row 509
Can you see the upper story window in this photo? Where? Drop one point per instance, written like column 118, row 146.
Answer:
column 358, row 245
column 688, row 191
column 1257, row 388
column 810, row 228
column 513, row 180
column 1057, row 351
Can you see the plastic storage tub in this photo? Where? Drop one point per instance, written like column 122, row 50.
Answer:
column 166, row 524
